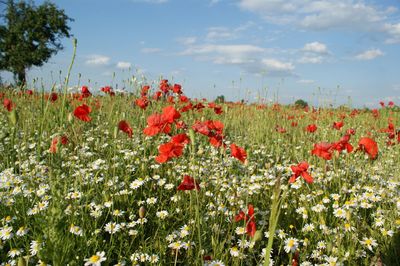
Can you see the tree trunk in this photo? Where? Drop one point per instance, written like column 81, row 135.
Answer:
column 21, row 75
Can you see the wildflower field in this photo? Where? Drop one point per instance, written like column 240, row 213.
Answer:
column 98, row 177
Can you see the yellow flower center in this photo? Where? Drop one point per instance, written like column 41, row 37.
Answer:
column 94, row 258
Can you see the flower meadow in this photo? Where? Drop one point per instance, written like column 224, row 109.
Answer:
column 100, row 177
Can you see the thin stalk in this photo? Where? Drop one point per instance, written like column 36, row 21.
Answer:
column 74, row 42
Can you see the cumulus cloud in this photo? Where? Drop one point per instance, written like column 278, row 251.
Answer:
column 220, row 33
column 369, row 54
column 187, row 40
column 97, row 60
column 250, row 58
column 313, row 53
column 306, row 81
column 315, row 47
column 277, row 66
column 123, row 65
column 234, row 49
column 320, row 15
column 393, row 30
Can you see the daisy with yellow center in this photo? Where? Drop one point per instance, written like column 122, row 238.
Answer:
column 96, row 260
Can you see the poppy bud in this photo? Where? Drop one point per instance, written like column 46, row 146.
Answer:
column 13, row 117
column 142, row 212
column 21, row 262
column 70, row 117
column 115, row 132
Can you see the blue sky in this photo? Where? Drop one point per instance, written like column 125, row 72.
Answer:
column 327, row 51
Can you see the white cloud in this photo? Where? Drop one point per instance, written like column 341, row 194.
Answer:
column 187, row 40
column 250, row 58
column 149, row 50
column 97, row 60
column 306, row 81
column 276, row 65
column 214, row 2
column 123, row 65
column 220, row 33
column 396, row 87
column 320, row 15
column 310, row 59
column 231, row 50
column 315, row 47
column 393, row 30
column 369, row 54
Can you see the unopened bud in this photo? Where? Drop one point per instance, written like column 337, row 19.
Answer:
column 142, row 212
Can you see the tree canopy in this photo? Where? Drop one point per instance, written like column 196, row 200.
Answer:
column 30, row 35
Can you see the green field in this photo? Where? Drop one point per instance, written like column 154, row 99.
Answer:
column 78, row 186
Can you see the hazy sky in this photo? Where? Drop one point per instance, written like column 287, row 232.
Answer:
column 326, row 50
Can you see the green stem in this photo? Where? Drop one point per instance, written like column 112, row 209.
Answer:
column 74, row 42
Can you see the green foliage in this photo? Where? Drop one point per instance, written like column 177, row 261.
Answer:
column 301, row 103
column 30, row 35
column 220, row 99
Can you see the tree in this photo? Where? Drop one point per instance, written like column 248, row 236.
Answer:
column 301, row 103
column 220, row 99
column 30, row 35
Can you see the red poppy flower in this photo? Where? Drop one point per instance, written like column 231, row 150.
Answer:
column 124, row 126
column 188, row 183
column 391, row 104
column 170, row 114
column 199, row 106
column 106, row 89
column 169, row 150
column 343, row 144
column 186, row 108
column 180, row 139
column 294, row 124
column 369, row 146
column 177, row 89
column 54, row 142
column 280, row 129
column 238, row 152
column 29, row 92
column 164, row 86
column 85, row 92
column 216, row 126
column 142, row 102
column 216, row 141
column 338, row 125
column 249, row 219
column 183, row 99
column 171, row 99
column 351, row 131
column 382, row 104
column 157, row 95
column 8, row 104
column 53, row 96
column 322, row 150
column 201, row 127
column 145, row 90
column 217, row 108
column 180, row 125
column 300, row 170
column 311, row 128
column 375, row 113
column 156, row 124
column 82, row 112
